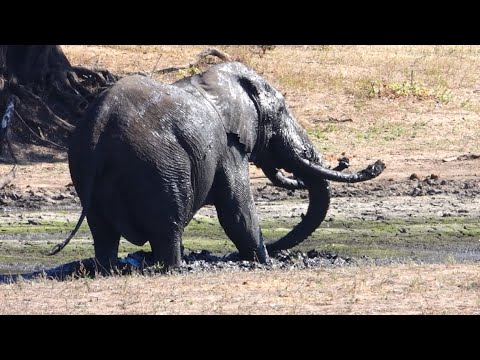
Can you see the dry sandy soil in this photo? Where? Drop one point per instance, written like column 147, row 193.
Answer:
column 416, row 108
column 396, row 289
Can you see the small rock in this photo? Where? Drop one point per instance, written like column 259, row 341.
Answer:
column 417, row 191
column 313, row 254
column 5, row 201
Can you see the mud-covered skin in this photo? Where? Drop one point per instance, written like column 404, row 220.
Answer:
column 148, row 156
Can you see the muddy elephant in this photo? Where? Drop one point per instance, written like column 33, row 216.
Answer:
column 148, row 156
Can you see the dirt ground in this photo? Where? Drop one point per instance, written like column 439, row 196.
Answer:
column 436, row 188
column 396, row 289
column 430, row 147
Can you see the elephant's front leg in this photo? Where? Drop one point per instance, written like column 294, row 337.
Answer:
column 236, row 209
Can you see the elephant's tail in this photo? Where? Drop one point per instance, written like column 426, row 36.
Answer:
column 85, row 208
column 64, row 243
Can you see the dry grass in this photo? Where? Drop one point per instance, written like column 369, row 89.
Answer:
column 325, row 83
column 396, row 289
column 411, row 134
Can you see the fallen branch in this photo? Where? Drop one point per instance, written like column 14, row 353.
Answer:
column 469, row 157
column 37, row 136
column 8, row 178
column 330, row 119
column 25, row 94
column 103, row 77
column 462, row 157
column 200, row 57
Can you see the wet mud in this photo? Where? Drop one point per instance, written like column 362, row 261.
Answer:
column 423, row 220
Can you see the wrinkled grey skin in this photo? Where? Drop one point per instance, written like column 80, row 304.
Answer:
column 148, row 156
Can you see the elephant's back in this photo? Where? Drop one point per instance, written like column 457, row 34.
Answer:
column 133, row 96
column 151, row 118
column 139, row 102
column 157, row 135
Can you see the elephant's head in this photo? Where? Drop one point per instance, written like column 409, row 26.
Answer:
column 256, row 112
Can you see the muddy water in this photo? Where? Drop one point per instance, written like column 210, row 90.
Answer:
column 363, row 224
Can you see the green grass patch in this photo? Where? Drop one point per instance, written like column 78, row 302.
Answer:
column 296, row 81
column 40, row 226
column 384, row 132
column 367, row 89
column 397, row 238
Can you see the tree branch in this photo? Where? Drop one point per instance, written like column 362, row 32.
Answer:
column 103, row 77
column 8, row 178
column 24, row 93
column 200, row 57
column 37, row 136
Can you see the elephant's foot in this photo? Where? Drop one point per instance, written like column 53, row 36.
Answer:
column 109, row 266
column 162, row 268
column 167, row 257
column 260, row 255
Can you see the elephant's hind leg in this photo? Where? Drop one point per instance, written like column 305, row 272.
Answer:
column 168, row 254
column 106, row 241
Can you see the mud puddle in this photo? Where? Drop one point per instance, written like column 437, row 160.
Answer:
column 366, row 227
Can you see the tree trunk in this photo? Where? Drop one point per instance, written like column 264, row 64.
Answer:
column 50, row 94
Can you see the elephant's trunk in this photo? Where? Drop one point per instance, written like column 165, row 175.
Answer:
column 319, row 201
column 307, row 167
column 372, row 171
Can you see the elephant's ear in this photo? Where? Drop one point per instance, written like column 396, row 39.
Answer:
column 233, row 104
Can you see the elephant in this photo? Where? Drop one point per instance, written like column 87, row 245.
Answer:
column 148, row 156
